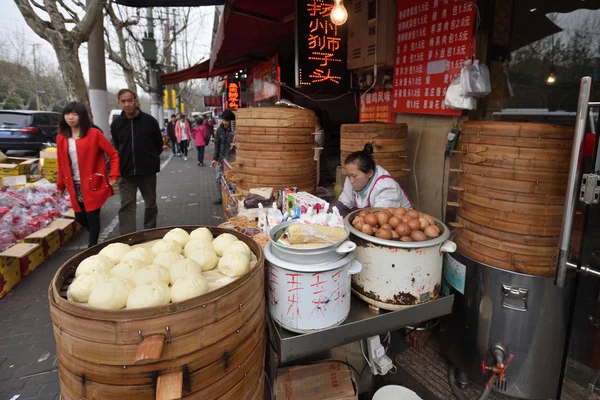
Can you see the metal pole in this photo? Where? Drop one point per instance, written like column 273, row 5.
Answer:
column 151, row 69
column 97, row 71
column 573, row 184
column 35, row 77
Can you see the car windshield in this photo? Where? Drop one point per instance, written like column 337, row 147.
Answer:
column 14, row 119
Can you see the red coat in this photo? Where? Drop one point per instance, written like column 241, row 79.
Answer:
column 90, row 155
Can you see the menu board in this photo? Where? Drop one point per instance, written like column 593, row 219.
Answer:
column 266, row 80
column 233, row 97
column 433, row 40
column 320, row 47
column 212, row 101
column 376, row 106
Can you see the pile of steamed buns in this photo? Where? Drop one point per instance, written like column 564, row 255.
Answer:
column 172, row 271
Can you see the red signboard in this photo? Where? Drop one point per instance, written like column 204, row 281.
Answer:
column 233, row 97
column 433, row 40
column 266, row 80
column 212, row 101
column 376, row 106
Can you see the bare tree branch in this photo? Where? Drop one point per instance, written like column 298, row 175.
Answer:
column 73, row 14
column 38, row 25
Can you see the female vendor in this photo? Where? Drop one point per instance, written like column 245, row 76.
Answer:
column 368, row 185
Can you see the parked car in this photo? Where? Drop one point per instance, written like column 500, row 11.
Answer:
column 26, row 129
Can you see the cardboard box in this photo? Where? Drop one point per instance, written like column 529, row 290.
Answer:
column 70, row 213
column 17, row 166
column 15, row 181
column 67, row 228
column 48, row 238
column 29, row 256
column 331, row 381
column 49, row 159
column 301, row 201
column 10, row 274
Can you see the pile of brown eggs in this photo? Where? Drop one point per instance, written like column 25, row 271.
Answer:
column 397, row 224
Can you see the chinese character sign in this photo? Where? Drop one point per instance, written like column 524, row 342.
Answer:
column 212, row 101
column 376, row 106
column 433, row 39
column 266, row 80
column 320, row 47
column 233, row 97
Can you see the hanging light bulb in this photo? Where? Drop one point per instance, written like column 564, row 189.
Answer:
column 551, row 78
column 339, row 15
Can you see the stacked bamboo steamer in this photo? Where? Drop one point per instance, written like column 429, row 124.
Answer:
column 275, row 148
column 512, row 184
column 389, row 145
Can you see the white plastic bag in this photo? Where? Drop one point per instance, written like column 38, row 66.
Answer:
column 455, row 98
column 475, row 80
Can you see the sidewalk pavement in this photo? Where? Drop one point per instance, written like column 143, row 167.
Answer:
column 28, row 364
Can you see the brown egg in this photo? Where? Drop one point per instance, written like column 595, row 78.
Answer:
column 418, row 236
column 384, row 234
column 371, row 219
column 394, row 222
column 421, row 215
column 414, row 224
column 400, row 211
column 382, row 218
column 392, row 210
column 359, row 225
column 387, row 226
column 367, row 229
column 403, row 230
column 413, row 214
column 424, row 223
column 429, row 219
column 395, row 235
column 432, row 231
column 406, row 239
column 406, row 218
column 357, row 220
column 375, row 229
column 364, row 213
column 437, row 228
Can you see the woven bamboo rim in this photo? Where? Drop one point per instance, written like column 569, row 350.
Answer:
column 269, row 163
column 280, row 171
column 275, row 155
column 504, row 195
column 559, row 178
column 515, row 163
column 515, row 217
column 391, row 148
column 379, row 155
column 271, row 139
column 273, row 113
column 261, row 130
column 518, row 129
column 524, row 239
column 509, row 247
column 300, row 122
column 508, row 226
column 491, row 151
column 260, row 181
column 541, row 143
column 513, row 206
column 540, row 188
column 275, row 147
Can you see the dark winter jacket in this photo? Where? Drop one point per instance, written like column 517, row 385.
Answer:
column 223, row 140
column 139, row 143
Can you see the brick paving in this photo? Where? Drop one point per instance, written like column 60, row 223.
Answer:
column 28, row 364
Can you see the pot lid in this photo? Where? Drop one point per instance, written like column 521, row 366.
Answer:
column 395, row 243
column 321, row 267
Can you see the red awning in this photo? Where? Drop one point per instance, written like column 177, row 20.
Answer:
column 201, row 70
column 169, row 3
column 253, row 30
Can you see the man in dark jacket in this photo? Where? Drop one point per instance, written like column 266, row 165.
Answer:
column 137, row 137
column 171, row 134
column 223, row 147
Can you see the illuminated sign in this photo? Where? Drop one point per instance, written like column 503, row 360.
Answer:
column 212, row 101
column 433, row 39
column 266, row 80
column 233, row 97
column 376, row 106
column 320, row 47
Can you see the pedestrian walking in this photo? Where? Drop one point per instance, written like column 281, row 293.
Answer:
column 136, row 135
column 201, row 137
column 81, row 150
column 171, row 134
column 183, row 133
column 223, row 146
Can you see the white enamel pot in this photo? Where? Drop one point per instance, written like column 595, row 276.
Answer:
column 396, row 274
column 305, row 298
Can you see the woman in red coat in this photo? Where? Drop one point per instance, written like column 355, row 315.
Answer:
column 82, row 172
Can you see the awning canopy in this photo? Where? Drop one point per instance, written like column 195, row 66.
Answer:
column 202, row 70
column 169, row 3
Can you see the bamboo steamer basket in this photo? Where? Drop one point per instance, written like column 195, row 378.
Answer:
column 275, row 148
column 511, row 187
column 208, row 347
column 389, row 145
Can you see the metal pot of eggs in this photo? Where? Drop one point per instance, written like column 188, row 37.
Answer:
column 402, row 253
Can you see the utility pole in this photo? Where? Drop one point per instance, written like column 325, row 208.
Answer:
column 151, row 57
column 176, row 86
column 35, row 77
column 97, row 71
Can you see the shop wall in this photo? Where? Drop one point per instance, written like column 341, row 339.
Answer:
column 429, row 167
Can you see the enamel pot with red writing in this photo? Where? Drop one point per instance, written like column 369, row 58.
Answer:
column 309, row 297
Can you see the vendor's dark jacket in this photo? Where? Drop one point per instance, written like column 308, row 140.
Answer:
column 223, row 139
column 139, row 143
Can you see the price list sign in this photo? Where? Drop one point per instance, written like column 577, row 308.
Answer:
column 433, row 39
column 320, row 47
column 376, row 106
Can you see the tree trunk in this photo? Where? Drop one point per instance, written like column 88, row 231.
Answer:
column 70, row 68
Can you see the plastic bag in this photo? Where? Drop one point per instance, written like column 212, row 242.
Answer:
column 253, row 200
column 475, row 80
column 455, row 98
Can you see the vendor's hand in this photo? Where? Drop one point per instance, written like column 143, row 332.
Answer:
column 113, row 182
column 214, row 164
